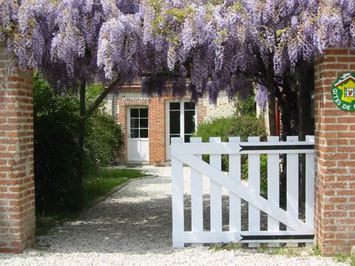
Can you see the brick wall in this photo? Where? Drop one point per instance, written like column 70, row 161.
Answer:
column 121, row 119
column 335, row 157
column 157, row 141
column 17, row 206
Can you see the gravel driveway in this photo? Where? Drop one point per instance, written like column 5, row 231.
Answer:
column 133, row 227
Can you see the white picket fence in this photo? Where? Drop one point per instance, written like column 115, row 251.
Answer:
column 294, row 230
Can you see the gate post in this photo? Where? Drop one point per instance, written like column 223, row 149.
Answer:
column 334, row 157
column 17, row 203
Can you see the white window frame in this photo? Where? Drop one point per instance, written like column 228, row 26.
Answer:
column 182, row 122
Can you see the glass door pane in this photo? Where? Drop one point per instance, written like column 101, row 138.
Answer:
column 139, row 123
column 189, row 120
column 174, row 126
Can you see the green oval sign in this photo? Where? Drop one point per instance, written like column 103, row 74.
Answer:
column 343, row 92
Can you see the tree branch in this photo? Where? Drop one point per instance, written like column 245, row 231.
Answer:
column 102, row 96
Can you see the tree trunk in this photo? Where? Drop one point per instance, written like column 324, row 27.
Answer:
column 82, row 132
column 305, row 83
column 286, row 103
column 272, row 114
column 271, row 87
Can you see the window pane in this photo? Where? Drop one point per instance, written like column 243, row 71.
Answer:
column 134, row 112
column 143, row 123
column 144, row 112
column 134, row 123
column 189, row 122
column 189, row 106
column 174, row 106
column 144, row 133
column 174, row 122
column 134, row 133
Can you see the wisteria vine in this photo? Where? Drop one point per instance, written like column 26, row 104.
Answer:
column 201, row 46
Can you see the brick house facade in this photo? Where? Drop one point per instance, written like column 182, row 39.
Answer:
column 160, row 120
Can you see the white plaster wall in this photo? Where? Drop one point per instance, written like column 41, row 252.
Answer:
column 223, row 108
column 107, row 108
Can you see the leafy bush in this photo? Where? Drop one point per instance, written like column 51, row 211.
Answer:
column 216, row 128
column 245, row 106
column 56, row 148
column 245, row 126
column 104, row 140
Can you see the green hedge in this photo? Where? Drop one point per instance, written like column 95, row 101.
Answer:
column 241, row 126
column 103, row 141
column 56, row 148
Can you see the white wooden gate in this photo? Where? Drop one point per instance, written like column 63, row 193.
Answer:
column 282, row 225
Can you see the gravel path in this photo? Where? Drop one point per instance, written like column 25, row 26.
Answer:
column 133, row 227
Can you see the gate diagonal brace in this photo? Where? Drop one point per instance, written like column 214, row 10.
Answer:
column 244, row 193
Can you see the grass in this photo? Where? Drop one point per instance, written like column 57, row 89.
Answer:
column 345, row 258
column 283, row 250
column 97, row 184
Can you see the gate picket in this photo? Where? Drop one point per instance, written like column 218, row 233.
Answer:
column 177, row 197
column 216, row 192
column 273, row 187
column 309, row 204
column 292, row 171
column 254, row 184
column 196, row 196
column 235, row 211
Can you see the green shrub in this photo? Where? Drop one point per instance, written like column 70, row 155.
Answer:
column 245, row 106
column 246, row 126
column 104, row 140
column 216, row 128
column 240, row 126
column 56, row 148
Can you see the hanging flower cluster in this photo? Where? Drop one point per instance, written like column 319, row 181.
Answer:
column 203, row 46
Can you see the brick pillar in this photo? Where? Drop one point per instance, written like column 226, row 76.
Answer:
column 157, row 144
column 17, row 200
column 121, row 119
column 335, row 157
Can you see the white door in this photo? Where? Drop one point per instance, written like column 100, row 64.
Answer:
column 181, row 122
column 138, row 134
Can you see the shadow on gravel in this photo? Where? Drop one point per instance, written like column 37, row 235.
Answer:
column 136, row 220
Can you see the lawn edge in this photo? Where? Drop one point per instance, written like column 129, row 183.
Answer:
column 114, row 190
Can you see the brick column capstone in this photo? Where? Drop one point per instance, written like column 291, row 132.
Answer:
column 334, row 157
column 17, row 198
